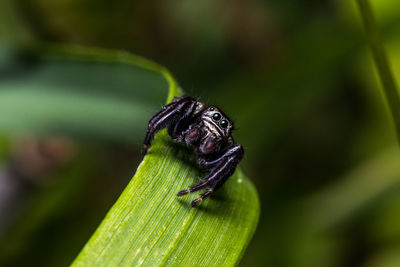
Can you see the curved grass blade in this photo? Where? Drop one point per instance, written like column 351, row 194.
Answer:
column 149, row 225
column 389, row 86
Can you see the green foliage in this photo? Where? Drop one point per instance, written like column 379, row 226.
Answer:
column 85, row 92
column 110, row 95
column 298, row 74
column 149, row 225
column 86, row 95
column 382, row 64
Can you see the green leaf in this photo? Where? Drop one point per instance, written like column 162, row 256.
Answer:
column 85, row 92
column 150, row 225
column 389, row 86
column 91, row 94
column 106, row 94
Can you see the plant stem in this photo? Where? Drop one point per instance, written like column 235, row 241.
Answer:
column 382, row 63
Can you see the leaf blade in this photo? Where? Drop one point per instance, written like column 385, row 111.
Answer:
column 166, row 230
column 389, row 86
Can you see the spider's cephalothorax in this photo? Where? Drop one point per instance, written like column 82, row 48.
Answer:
column 208, row 130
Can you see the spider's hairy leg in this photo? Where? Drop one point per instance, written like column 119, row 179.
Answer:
column 234, row 150
column 202, row 196
column 223, row 168
column 167, row 115
column 194, row 188
column 180, row 124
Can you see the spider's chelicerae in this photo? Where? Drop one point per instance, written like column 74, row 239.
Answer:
column 208, row 130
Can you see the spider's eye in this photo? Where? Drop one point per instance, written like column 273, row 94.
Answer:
column 211, row 108
column 223, row 123
column 216, row 116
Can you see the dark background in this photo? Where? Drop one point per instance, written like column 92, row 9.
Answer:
column 296, row 77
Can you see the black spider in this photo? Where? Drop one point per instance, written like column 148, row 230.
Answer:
column 206, row 129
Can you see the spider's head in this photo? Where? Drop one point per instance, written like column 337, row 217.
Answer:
column 216, row 122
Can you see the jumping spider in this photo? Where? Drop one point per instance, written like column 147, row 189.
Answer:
column 208, row 130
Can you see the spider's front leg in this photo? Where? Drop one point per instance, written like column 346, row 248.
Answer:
column 220, row 170
column 180, row 107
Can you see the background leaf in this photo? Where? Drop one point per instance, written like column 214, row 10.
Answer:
column 381, row 61
column 88, row 92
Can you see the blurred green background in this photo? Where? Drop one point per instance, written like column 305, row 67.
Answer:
column 296, row 77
